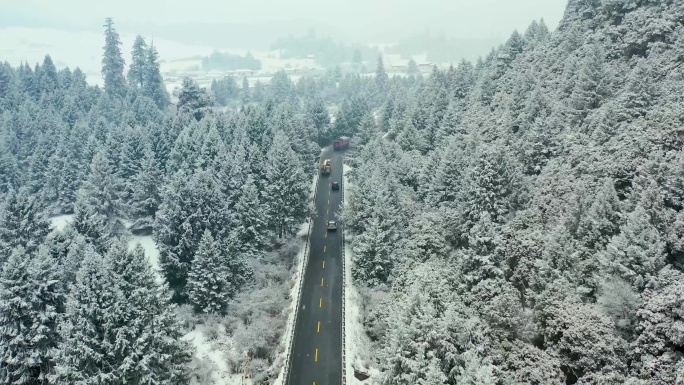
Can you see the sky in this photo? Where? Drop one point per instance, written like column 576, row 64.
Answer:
column 355, row 19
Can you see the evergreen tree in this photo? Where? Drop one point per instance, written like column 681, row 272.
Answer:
column 288, row 187
column 146, row 196
column 245, row 92
column 153, row 82
column 91, row 350
column 207, row 278
column 193, row 99
column 251, row 222
column 156, row 353
column 31, row 303
column 381, row 78
column 103, row 187
column 412, row 67
column 21, row 223
column 113, row 62
column 136, row 70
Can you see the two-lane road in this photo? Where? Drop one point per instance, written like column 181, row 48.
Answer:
column 317, row 345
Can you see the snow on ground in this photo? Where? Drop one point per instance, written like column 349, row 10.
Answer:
column 59, row 222
column 355, row 337
column 213, row 357
column 151, row 252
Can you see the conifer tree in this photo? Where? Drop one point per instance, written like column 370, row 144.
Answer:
column 251, row 222
column 90, row 349
column 146, row 196
column 21, row 223
column 31, row 305
column 287, row 187
column 153, row 82
column 207, row 278
column 136, row 70
column 113, row 62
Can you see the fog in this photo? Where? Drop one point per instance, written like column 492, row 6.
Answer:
column 256, row 23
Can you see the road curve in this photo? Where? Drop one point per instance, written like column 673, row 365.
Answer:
column 317, row 345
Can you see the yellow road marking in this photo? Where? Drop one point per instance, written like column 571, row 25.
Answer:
column 324, row 247
column 321, row 281
column 326, row 234
column 324, row 264
column 320, row 303
column 328, row 201
column 316, row 355
column 319, row 327
column 327, row 211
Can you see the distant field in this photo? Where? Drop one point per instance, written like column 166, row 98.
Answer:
column 84, row 50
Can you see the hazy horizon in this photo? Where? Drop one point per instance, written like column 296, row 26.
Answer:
column 262, row 21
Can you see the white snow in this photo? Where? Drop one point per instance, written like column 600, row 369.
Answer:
column 59, row 222
column 213, row 356
column 151, row 252
column 355, row 338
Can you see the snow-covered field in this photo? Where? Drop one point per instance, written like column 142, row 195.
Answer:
column 356, row 341
column 58, row 222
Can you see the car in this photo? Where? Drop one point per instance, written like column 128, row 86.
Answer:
column 335, row 185
column 331, row 225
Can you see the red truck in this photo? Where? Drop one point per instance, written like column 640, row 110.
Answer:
column 341, row 143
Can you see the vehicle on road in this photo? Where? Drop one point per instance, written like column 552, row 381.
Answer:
column 326, row 167
column 335, row 186
column 341, row 143
column 331, row 225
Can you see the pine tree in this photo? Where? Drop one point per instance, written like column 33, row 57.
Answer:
column 90, row 352
column 381, row 79
column 193, row 99
column 245, row 92
column 638, row 252
column 103, row 187
column 91, row 224
column 367, row 129
column 138, row 62
column 156, row 353
column 146, row 196
column 288, row 187
column 21, row 223
column 206, row 288
column 590, row 88
column 31, row 303
column 153, row 82
column 251, row 222
column 112, row 62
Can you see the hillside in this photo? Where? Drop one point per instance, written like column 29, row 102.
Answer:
column 523, row 219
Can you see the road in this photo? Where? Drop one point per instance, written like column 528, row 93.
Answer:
column 317, row 345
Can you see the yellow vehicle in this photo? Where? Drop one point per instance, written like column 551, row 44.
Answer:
column 326, row 167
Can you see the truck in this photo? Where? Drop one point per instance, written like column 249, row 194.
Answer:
column 326, row 167
column 341, row 143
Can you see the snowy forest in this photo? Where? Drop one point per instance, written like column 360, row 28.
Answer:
column 521, row 221
column 518, row 220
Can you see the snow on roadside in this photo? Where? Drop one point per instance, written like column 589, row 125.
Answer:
column 286, row 342
column 151, row 252
column 355, row 337
column 219, row 372
column 59, row 222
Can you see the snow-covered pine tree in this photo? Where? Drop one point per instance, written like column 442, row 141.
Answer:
column 153, row 82
column 112, row 62
column 90, row 348
column 21, row 223
column 251, row 222
column 137, row 66
column 288, row 187
column 207, row 279
column 31, row 303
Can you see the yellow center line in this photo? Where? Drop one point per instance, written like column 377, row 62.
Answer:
column 320, row 303
column 319, row 327
column 326, row 234
column 321, row 281
column 324, row 247
column 327, row 211
column 328, row 201
column 324, row 264
column 316, row 359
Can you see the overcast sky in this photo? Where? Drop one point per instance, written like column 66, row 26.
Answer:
column 457, row 18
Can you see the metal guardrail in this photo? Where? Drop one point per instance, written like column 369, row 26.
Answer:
column 305, row 255
column 344, row 297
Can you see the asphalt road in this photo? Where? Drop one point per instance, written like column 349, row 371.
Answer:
column 317, row 345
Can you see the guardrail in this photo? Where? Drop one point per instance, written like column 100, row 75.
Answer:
column 344, row 289
column 302, row 274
